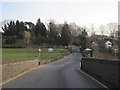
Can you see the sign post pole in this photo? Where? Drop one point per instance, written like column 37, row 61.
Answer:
column 39, row 53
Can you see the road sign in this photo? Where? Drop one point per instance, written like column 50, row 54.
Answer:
column 50, row 50
column 39, row 50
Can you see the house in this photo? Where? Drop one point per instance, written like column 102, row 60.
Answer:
column 108, row 44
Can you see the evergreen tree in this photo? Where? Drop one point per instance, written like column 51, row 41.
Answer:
column 52, row 34
column 40, row 29
column 66, row 35
column 17, row 27
column 40, row 32
column 9, row 29
column 83, row 39
column 22, row 29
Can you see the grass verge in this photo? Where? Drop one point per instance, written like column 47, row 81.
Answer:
column 10, row 55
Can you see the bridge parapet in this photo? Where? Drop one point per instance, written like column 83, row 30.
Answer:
column 105, row 71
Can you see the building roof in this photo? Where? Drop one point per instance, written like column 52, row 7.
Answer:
column 108, row 42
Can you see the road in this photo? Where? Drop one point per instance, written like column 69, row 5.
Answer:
column 62, row 73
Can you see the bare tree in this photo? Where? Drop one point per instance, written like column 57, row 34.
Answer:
column 75, row 29
column 118, row 41
column 103, row 30
column 112, row 27
column 27, row 36
column 93, row 34
column 92, row 29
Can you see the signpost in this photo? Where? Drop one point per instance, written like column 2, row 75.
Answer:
column 50, row 50
column 39, row 53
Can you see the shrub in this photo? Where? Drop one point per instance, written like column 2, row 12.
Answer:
column 10, row 40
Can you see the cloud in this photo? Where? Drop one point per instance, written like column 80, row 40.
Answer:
column 82, row 12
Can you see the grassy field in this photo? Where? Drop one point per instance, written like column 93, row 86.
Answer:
column 19, row 54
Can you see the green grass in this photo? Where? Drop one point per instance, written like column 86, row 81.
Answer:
column 56, row 52
column 20, row 54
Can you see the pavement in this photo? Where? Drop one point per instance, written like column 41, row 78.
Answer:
column 62, row 73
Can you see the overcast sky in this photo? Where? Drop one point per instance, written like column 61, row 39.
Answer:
column 82, row 12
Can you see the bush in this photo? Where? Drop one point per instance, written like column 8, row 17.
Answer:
column 10, row 40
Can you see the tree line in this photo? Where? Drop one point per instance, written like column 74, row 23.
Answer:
column 38, row 34
column 23, row 34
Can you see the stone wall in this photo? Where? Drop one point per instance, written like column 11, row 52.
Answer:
column 104, row 70
column 13, row 69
